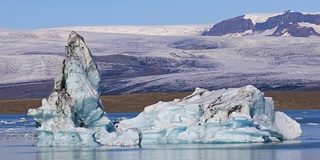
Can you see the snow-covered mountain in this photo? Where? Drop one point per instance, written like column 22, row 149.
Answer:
column 164, row 59
column 288, row 23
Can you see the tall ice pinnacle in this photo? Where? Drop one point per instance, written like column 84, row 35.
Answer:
column 73, row 113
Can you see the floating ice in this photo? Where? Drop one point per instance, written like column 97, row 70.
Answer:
column 226, row 115
column 73, row 114
column 6, row 122
column 312, row 124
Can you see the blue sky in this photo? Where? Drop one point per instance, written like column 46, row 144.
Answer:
column 34, row 14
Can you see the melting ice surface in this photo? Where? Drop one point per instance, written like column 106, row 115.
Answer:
column 73, row 115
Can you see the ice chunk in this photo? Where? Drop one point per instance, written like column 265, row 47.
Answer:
column 288, row 127
column 226, row 115
column 73, row 114
column 312, row 124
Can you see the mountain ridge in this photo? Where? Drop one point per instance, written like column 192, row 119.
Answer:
column 283, row 24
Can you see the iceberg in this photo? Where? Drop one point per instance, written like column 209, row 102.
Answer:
column 225, row 115
column 73, row 114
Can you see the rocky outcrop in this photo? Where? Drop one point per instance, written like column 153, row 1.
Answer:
column 286, row 24
column 233, row 25
column 294, row 30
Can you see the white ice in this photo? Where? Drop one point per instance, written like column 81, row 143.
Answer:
column 312, row 124
column 226, row 115
column 260, row 17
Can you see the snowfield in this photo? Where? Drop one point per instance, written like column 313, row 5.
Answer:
column 163, row 58
column 260, row 17
column 165, row 30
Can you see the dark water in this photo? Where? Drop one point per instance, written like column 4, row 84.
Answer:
column 17, row 137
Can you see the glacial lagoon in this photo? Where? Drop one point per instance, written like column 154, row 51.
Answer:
column 17, row 137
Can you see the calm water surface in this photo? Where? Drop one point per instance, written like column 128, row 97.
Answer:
column 17, row 139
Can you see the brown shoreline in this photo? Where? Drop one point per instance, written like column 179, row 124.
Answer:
column 284, row 100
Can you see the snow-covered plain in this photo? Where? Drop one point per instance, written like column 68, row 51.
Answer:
column 164, row 58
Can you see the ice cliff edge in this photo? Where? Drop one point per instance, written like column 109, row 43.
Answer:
column 73, row 114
